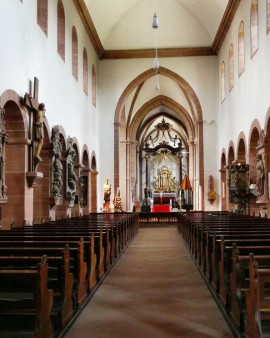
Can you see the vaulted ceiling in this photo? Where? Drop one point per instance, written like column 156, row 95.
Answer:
column 123, row 28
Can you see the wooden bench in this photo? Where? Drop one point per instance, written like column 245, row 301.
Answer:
column 94, row 243
column 26, row 302
column 258, row 301
column 239, row 284
column 77, row 267
column 60, row 280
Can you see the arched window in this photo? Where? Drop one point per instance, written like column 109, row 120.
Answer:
column 254, row 38
column 61, row 29
column 74, row 53
column 267, row 16
column 94, row 86
column 222, row 81
column 85, row 72
column 231, row 67
column 42, row 15
column 241, row 49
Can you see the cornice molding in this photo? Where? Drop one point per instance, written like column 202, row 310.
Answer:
column 163, row 52
column 89, row 26
column 225, row 24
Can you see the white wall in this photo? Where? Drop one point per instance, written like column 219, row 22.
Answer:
column 249, row 99
column 27, row 53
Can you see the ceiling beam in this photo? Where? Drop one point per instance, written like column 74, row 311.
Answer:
column 162, row 53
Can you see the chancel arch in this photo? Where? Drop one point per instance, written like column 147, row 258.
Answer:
column 143, row 127
column 128, row 127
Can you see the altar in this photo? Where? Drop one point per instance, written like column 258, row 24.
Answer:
column 161, row 208
column 164, row 198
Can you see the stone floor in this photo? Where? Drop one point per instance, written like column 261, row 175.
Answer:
column 153, row 291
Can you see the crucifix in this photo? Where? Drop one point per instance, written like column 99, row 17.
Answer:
column 36, row 118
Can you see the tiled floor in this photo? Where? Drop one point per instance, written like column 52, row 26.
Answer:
column 154, row 291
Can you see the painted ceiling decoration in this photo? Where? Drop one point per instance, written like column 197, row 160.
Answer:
column 122, row 28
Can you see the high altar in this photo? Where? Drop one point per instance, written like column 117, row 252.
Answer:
column 164, row 187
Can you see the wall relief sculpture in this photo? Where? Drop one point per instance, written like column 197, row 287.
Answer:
column 71, row 177
column 56, row 166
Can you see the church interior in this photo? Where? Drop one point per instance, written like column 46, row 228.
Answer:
column 125, row 113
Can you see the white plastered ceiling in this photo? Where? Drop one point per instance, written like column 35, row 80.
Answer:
column 127, row 24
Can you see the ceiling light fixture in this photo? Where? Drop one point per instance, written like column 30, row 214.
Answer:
column 155, row 21
column 155, row 25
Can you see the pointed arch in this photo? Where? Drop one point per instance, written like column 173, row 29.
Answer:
column 94, row 86
column 85, row 71
column 195, row 120
column 241, row 49
column 74, row 53
column 61, row 29
column 231, row 67
column 222, row 81
column 254, row 29
column 42, row 15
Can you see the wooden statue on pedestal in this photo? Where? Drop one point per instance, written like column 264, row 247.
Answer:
column 107, row 195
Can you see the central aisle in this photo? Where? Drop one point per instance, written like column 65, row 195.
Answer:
column 153, row 291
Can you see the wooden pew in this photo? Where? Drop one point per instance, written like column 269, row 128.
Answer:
column 224, row 261
column 258, row 301
column 25, row 302
column 91, row 234
column 60, row 280
column 211, row 241
column 214, row 251
column 78, row 268
column 92, row 243
column 239, row 284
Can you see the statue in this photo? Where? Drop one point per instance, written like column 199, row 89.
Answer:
column 107, row 195
column 211, row 191
column 260, row 176
column 57, row 175
column 56, row 164
column 39, row 129
column 71, row 176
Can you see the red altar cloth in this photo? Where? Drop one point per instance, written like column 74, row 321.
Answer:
column 161, row 208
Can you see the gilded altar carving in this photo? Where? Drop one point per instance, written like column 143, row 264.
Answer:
column 164, row 181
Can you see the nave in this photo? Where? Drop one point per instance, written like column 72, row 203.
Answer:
column 153, row 291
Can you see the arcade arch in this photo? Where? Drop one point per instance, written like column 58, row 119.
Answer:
column 129, row 131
